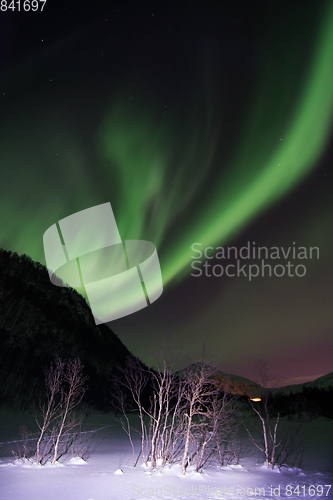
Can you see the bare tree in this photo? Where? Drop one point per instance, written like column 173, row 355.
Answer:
column 24, row 449
column 159, row 418
column 119, row 402
column 198, row 393
column 132, row 377
column 220, row 431
column 188, row 419
column 65, row 388
column 159, row 411
column 72, row 393
column 268, row 428
column 173, row 422
column 291, row 451
column 269, row 433
column 53, row 380
column 165, row 421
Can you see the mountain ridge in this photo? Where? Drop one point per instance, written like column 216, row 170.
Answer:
column 242, row 386
column 40, row 322
column 323, row 382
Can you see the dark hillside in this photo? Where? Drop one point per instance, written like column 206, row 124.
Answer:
column 40, row 322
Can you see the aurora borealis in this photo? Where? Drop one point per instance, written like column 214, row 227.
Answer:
column 198, row 123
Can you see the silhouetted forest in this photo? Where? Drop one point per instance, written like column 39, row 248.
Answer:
column 309, row 403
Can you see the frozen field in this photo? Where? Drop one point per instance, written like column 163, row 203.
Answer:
column 109, row 473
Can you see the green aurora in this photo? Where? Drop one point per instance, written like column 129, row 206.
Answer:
column 176, row 170
column 150, row 191
column 258, row 175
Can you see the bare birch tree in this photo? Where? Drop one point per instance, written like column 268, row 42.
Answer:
column 120, row 404
column 134, row 378
column 269, row 434
column 53, row 380
column 72, row 392
column 65, row 388
column 165, row 421
column 188, row 419
column 268, row 428
column 198, row 393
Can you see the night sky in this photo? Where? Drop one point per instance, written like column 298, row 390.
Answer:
column 200, row 122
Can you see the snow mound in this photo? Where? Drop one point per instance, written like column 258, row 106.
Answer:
column 119, row 472
column 77, row 461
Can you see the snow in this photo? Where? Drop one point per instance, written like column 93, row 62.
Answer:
column 108, row 474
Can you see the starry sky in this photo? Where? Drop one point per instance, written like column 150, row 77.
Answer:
column 200, row 122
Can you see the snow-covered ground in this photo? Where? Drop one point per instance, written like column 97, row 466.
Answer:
column 109, row 473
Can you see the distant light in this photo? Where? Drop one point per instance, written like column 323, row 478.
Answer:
column 255, row 400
